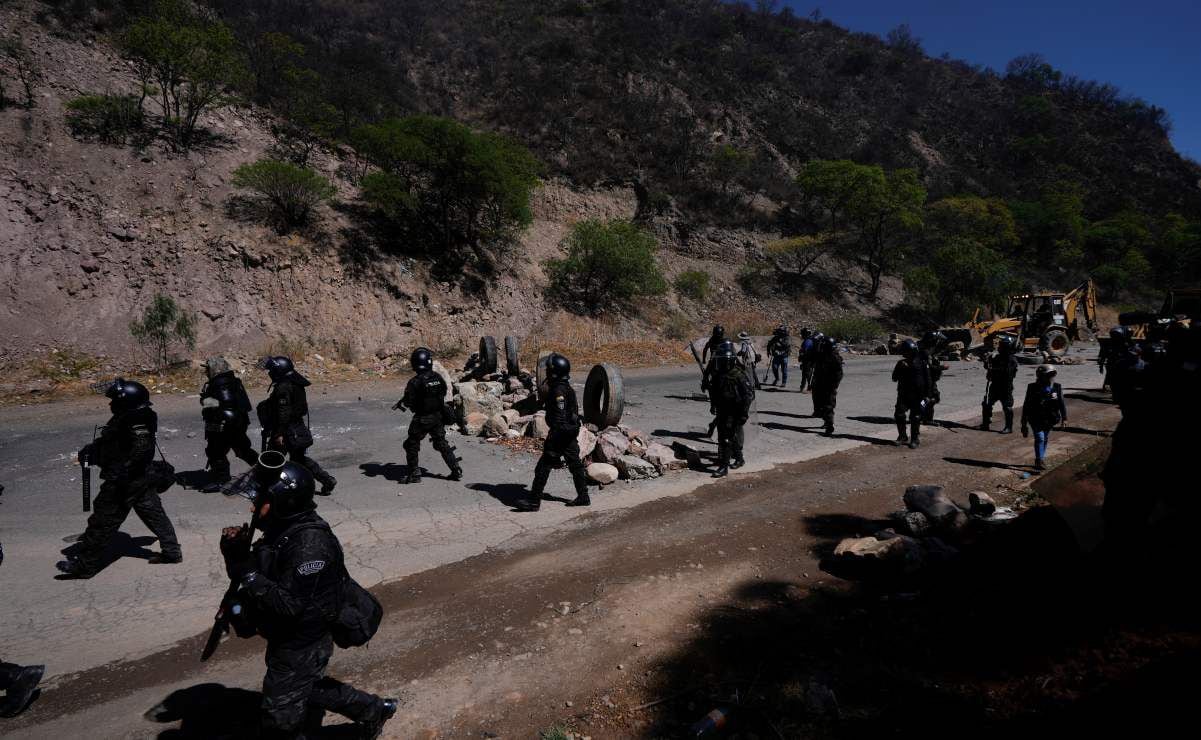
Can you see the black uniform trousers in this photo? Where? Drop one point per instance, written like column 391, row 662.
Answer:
column 825, row 400
column 297, row 693
column 297, row 455
column 561, row 445
column 908, row 410
column 218, row 448
column 428, row 424
column 109, row 510
column 1003, row 394
column 806, row 375
column 729, row 437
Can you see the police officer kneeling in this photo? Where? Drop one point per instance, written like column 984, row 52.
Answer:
column 291, row 585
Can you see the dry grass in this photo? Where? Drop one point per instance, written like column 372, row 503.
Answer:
column 588, row 341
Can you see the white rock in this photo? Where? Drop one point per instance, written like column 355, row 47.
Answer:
column 602, row 473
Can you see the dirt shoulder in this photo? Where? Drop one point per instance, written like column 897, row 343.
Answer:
column 713, row 598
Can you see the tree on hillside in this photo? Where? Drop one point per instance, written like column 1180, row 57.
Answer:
column 186, row 61
column 293, row 191
column 163, row 325
column 959, row 275
column 887, row 212
column 1052, row 228
column 729, row 164
column 986, row 221
column 307, row 121
column 828, row 188
column 461, row 190
column 27, row 71
column 607, row 266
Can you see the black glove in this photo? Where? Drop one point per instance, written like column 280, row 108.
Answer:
column 85, row 452
column 399, row 406
column 235, row 548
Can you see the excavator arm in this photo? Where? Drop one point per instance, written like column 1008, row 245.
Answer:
column 1081, row 302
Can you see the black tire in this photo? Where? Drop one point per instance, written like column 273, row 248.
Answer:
column 604, row 396
column 487, row 355
column 512, row 364
column 1055, row 342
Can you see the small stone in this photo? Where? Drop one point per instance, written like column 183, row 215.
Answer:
column 89, row 266
column 575, row 631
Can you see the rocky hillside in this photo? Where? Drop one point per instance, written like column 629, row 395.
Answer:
column 89, row 232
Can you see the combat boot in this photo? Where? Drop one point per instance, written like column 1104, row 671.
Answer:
column 1008, row 422
column 413, row 476
column 738, row 463
column 375, row 728
column 20, row 693
column 915, row 432
column 456, row 473
column 581, row 499
column 534, row 503
column 722, row 471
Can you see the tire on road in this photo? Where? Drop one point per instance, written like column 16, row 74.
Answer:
column 487, row 355
column 540, row 373
column 1055, row 342
column 604, row 396
column 512, row 364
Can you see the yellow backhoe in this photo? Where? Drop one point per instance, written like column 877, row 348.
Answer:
column 1049, row 322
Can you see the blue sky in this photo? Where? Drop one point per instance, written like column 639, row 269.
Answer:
column 1150, row 49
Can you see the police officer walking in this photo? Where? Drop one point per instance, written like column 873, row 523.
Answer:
column 1001, row 368
column 730, row 397
column 290, row 583
column 282, row 415
column 124, row 452
column 779, row 348
column 225, row 408
column 562, row 443
column 929, row 347
column 912, row 377
column 827, row 375
column 425, row 396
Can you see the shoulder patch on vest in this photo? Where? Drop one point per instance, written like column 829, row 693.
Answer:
column 311, row 567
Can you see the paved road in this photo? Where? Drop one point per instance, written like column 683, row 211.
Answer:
column 132, row 609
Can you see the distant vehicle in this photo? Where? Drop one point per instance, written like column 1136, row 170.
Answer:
column 1048, row 322
column 1180, row 304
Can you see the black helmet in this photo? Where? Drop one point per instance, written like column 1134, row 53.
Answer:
column 817, row 336
column 933, row 339
column 908, row 348
column 827, row 345
column 1006, row 343
column 558, row 366
column 277, row 367
column 1120, row 334
column 127, row 395
column 1046, row 371
column 421, row 360
column 286, row 485
column 724, row 356
column 806, row 333
column 719, row 331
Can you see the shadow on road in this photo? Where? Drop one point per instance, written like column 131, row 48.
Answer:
column 987, row 464
column 1090, row 398
column 818, row 430
column 883, row 420
column 691, row 436
column 394, row 472
column 508, row 494
column 193, row 479
column 122, row 545
column 212, row 711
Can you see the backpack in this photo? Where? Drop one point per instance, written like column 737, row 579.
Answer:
column 358, row 614
column 734, row 390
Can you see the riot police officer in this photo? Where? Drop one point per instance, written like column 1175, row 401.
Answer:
column 715, row 338
column 731, row 394
column 929, row 346
column 1118, row 357
column 562, row 443
column 290, row 585
column 779, row 349
column 1001, row 369
column 283, row 416
column 225, row 408
column 124, row 451
column 425, row 396
column 827, row 375
column 912, row 377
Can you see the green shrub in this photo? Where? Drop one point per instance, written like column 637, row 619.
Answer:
column 164, row 324
column 293, row 191
column 461, row 190
column 695, row 284
column 852, row 328
column 608, row 265
column 108, row 118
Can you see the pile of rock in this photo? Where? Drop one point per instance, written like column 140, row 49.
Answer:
column 503, row 406
column 922, row 534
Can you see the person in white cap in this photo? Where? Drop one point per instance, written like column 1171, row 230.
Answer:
column 1042, row 411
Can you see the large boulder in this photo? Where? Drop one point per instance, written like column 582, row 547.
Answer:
column 470, row 400
column 610, row 445
column 474, row 422
column 635, row 468
column 688, row 453
column 496, row 426
column 936, row 505
column 587, row 442
column 663, row 458
column 602, row 473
column 450, row 384
column 871, row 558
column 511, row 416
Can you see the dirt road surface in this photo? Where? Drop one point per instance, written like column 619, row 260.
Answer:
column 511, row 628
